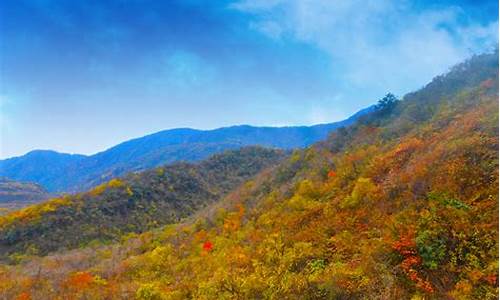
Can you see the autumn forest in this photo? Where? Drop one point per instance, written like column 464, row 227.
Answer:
column 400, row 204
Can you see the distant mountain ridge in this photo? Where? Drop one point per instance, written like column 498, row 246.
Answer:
column 14, row 194
column 60, row 172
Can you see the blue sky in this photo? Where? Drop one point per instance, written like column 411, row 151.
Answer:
column 81, row 76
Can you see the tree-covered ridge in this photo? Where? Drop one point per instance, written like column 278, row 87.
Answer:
column 401, row 205
column 14, row 194
column 134, row 203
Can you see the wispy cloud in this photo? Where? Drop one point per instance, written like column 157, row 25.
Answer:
column 375, row 45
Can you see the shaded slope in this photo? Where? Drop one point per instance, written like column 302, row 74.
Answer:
column 44, row 167
column 134, row 203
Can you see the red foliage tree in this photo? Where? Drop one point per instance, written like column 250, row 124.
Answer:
column 208, row 246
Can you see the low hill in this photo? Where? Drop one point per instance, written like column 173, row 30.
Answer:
column 83, row 172
column 134, row 203
column 14, row 195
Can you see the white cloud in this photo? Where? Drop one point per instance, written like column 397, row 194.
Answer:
column 376, row 45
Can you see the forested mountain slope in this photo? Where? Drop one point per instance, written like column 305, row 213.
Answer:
column 184, row 144
column 135, row 203
column 401, row 205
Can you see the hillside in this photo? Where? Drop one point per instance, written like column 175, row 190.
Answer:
column 84, row 172
column 403, row 204
column 15, row 194
column 134, row 203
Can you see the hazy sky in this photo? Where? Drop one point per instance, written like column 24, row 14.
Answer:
column 80, row 76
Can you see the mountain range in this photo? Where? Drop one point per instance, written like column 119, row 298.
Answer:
column 401, row 204
column 60, row 172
